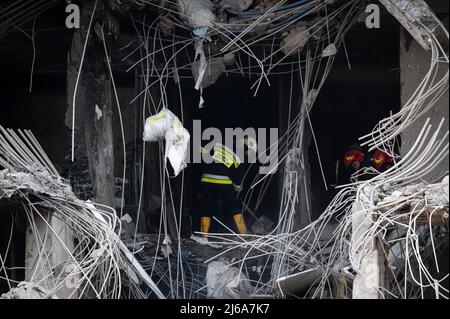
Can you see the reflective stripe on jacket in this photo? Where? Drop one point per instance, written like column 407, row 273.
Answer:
column 216, row 179
column 226, row 168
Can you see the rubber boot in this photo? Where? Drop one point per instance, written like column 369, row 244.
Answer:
column 240, row 223
column 205, row 222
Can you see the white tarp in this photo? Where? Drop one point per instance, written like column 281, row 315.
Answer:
column 166, row 126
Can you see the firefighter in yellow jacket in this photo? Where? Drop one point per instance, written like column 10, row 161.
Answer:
column 222, row 181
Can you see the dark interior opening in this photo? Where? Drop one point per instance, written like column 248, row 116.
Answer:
column 230, row 103
column 12, row 243
column 352, row 101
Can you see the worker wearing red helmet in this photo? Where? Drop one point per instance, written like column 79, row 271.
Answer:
column 353, row 160
column 354, row 157
column 382, row 160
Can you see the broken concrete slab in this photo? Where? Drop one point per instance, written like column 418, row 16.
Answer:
column 28, row 290
column 416, row 17
column 225, row 282
column 299, row 283
column 197, row 13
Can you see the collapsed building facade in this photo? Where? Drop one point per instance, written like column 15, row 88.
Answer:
column 95, row 204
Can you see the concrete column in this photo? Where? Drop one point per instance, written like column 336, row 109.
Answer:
column 414, row 64
column 366, row 258
column 94, row 104
column 47, row 260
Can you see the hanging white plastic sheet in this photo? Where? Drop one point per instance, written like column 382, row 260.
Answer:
column 166, row 126
column 202, row 65
column 215, row 67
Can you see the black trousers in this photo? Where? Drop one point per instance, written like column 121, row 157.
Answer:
column 214, row 194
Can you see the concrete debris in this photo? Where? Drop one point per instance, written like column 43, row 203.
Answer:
column 237, row 5
column 416, row 17
column 295, row 40
column 165, row 247
column 28, row 290
column 166, row 126
column 140, row 242
column 434, row 195
column 298, row 283
column 166, row 26
column 204, row 241
column 41, row 182
column 59, row 212
column 293, row 160
column 438, row 194
column 419, row 212
column 227, row 282
column 127, row 225
column 127, row 218
column 197, row 13
column 262, row 226
column 330, row 50
column 228, row 59
column 365, row 284
column 98, row 112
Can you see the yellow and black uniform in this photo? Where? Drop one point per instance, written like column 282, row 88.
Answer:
column 220, row 181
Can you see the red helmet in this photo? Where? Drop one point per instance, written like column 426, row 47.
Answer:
column 352, row 156
column 381, row 158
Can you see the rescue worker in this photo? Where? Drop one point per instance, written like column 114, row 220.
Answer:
column 354, row 160
column 222, row 181
column 382, row 160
